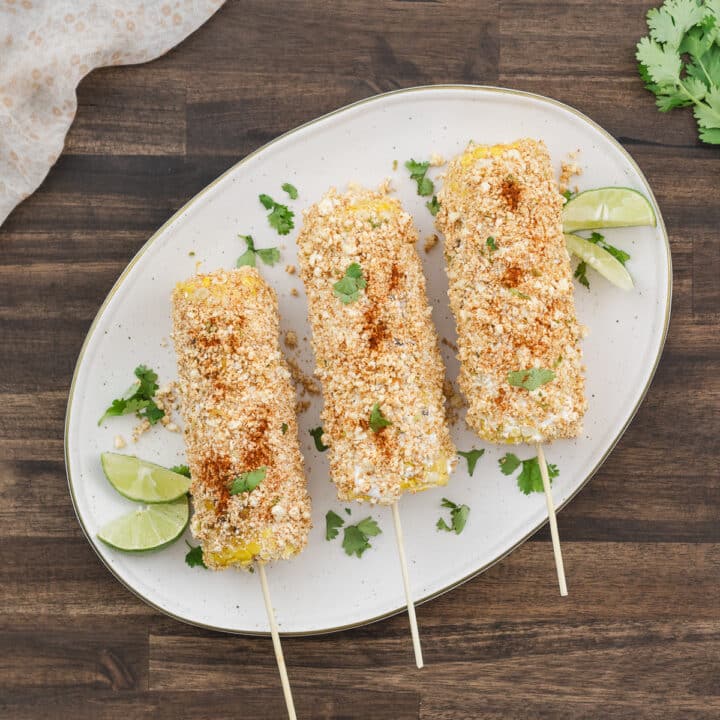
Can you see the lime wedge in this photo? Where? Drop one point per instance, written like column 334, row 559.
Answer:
column 600, row 260
column 147, row 528
column 144, row 481
column 607, row 207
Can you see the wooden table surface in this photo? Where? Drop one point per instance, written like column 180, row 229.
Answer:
column 639, row 635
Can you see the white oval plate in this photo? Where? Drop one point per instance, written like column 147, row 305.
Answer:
column 323, row 589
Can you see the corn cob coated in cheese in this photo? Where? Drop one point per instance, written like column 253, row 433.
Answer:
column 238, row 405
column 377, row 351
column 511, row 290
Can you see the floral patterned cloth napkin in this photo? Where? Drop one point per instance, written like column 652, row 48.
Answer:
column 47, row 47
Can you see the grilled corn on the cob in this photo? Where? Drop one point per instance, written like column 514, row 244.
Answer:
column 238, row 406
column 375, row 346
column 511, row 292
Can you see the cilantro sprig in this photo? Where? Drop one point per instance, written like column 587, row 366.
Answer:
column 348, row 289
column 679, row 61
column 356, row 538
column 194, row 556
column 418, row 173
column 248, row 481
column 472, row 456
column 530, row 379
column 138, row 399
column 529, row 480
column 458, row 517
column 280, row 217
column 268, row 255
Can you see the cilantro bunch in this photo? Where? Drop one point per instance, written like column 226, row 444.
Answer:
column 680, row 60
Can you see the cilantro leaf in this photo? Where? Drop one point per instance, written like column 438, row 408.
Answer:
column 268, row 255
column 433, row 205
column 458, row 517
column 284, row 428
column 425, row 187
column 117, row 407
column 194, row 556
column 670, row 22
column 148, row 382
column 332, row 522
column 377, row 420
column 418, row 170
column 530, row 379
column 248, row 481
column 581, row 274
column 266, row 201
column 530, row 480
column 248, row 257
column 291, row 190
column 369, row 527
column 490, row 242
column 663, row 64
column 568, row 195
column 348, row 289
column 679, row 61
column 354, row 542
column 356, row 537
column 354, row 271
column 348, row 511
column 181, row 470
column 280, row 217
column 472, row 456
column 133, row 405
column 138, row 399
column 152, row 412
column 317, row 434
column 710, row 135
column 509, row 463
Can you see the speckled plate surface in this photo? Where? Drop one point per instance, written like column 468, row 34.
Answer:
column 324, row 590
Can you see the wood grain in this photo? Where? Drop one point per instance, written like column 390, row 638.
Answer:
column 639, row 636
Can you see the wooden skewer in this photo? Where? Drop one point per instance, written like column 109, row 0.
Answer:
column 287, row 692
column 553, row 521
column 406, row 582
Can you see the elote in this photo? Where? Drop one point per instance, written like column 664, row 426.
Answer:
column 248, row 486
column 511, row 291
column 375, row 347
